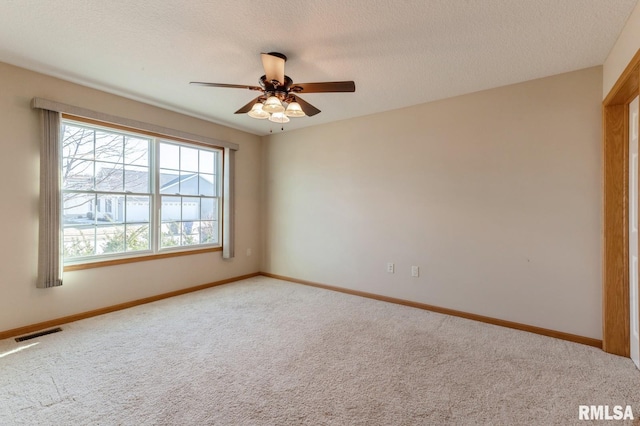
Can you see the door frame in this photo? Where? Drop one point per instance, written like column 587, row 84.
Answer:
column 615, row 213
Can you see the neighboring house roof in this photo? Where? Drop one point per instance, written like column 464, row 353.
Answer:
column 193, row 180
column 164, row 187
column 113, row 181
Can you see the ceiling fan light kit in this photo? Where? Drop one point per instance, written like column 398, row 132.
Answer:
column 272, row 105
column 294, row 110
column 279, row 99
column 258, row 112
column 279, row 117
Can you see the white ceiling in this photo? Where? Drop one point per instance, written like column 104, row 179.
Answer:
column 399, row 53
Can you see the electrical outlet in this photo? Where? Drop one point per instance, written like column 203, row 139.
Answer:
column 391, row 268
column 248, row 252
column 415, row 271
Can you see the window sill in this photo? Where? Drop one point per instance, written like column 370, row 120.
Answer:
column 91, row 265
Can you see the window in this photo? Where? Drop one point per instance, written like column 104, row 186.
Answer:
column 126, row 194
column 189, row 194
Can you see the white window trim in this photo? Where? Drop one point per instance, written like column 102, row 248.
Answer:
column 228, row 210
column 155, row 220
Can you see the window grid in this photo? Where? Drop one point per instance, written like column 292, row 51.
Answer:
column 189, row 195
column 109, row 228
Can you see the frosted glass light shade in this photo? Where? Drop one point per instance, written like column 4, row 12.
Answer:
column 273, row 104
column 279, row 117
column 294, row 110
column 258, row 112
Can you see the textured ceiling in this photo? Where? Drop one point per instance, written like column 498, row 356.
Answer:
column 399, row 53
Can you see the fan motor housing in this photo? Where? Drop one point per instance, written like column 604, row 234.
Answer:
column 274, row 86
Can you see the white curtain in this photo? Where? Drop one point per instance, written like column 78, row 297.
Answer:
column 228, row 210
column 49, row 256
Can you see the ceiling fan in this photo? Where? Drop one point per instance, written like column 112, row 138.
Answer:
column 279, row 98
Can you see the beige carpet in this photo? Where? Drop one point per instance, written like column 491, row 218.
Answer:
column 268, row 352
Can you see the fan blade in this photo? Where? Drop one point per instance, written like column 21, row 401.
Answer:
column 273, row 66
column 329, row 86
column 231, row 86
column 308, row 109
column 247, row 107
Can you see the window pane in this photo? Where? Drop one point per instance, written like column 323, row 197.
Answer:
column 109, row 147
column 110, row 239
column 137, row 237
column 188, row 159
column 78, row 209
column 78, row 242
column 170, row 209
column 208, row 232
column 109, row 177
column 136, row 151
column 190, row 208
column 77, row 174
column 137, row 209
column 107, row 209
column 207, row 185
column 77, row 142
column 208, row 209
column 207, row 162
column 136, row 179
column 190, row 233
column 169, row 181
column 170, row 236
column 189, row 183
column 169, row 156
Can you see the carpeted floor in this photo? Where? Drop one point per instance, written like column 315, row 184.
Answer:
column 268, row 352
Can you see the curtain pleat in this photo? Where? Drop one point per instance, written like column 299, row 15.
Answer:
column 49, row 255
column 228, row 211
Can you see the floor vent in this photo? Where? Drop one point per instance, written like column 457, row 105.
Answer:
column 38, row 334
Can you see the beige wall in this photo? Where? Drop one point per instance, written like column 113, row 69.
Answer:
column 494, row 195
column 626, row 46
column 20, row 302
